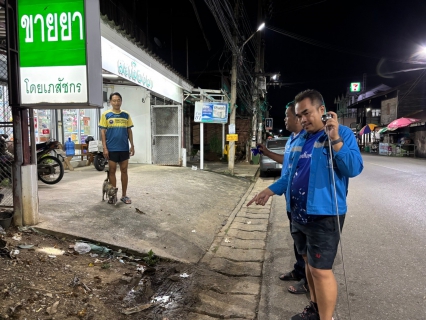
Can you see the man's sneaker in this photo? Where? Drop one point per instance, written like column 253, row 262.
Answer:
column 309, row 313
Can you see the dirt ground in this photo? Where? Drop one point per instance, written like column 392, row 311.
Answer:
column 43, row 277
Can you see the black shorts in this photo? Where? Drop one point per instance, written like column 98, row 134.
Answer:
column 318, row 240
column 119, row 156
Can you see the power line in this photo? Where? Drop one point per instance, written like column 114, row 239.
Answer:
column 334, row 47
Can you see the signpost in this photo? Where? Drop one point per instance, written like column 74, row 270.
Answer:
column 211, row 112
column 269, row 123
column 59, row 54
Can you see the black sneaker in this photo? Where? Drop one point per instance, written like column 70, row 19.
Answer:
column 309, row 313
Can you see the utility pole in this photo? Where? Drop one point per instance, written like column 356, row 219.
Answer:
column 261, row 67
column 231, row 127
column 256, row 97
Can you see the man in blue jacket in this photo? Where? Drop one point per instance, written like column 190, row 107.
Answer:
column 293, row 125
column 316, row 189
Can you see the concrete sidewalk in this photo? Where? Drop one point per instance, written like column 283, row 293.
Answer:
column 241, row 169
column 183, row 209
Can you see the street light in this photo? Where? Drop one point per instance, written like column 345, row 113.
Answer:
column 231, row 154
column 258, row 29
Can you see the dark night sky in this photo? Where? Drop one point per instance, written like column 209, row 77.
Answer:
column 375, row 29
column 391, row 30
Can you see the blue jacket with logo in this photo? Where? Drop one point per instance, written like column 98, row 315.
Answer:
column 347, row 163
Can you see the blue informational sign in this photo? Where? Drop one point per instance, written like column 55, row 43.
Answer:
column 211, row 112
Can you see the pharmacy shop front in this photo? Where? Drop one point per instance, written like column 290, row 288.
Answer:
column 153, row 100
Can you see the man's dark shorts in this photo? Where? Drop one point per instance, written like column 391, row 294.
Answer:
column 119, row 156
column 318, row 240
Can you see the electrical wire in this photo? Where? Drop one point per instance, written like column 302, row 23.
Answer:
column 334, row 47
column 226, row 21
column 413, row 85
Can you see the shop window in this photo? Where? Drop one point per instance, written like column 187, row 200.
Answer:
column 42, row 125
column 79, row 124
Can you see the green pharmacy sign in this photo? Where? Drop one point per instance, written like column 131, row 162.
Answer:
column 355, row 87
column 58, row 48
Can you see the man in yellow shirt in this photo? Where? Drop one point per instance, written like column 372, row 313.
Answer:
column 116, row 131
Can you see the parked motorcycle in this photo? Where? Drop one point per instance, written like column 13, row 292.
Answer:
column 49, row 168
column 95, row 147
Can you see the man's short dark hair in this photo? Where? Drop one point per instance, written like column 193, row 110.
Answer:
column 115, row 94
column 313, row 95
column 292, row 106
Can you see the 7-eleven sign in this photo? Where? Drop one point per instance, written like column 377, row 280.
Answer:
column 355, row 87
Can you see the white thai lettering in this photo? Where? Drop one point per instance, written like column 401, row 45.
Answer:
column 65, row 20
column 79, row 16
column 27, row 24
column 52, row 25
column 41, row 18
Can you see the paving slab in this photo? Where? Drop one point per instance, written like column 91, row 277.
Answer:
column 246, row 235
column 244, row 244
column 227, row 306
column 253, row 216
column 233, row 268
column 255, row 210
column 197, row 316
column 239, row 219
column 220, row 283
column 233, row 254
column 249, row 227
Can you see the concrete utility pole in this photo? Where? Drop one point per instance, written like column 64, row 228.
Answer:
column 231, row 153
column 261, row 59
column 257, row 115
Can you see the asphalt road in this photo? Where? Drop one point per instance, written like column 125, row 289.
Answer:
column 384, row 242
column 384, row 248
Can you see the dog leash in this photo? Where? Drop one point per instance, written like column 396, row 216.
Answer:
column 338, row 220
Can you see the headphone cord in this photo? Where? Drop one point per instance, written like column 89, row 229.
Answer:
column 338, row 219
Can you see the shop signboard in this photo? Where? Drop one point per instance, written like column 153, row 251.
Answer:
column 211, row 112
column 355, row 87
column 59, row 54
column 123, row 64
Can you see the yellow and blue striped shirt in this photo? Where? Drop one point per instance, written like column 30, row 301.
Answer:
column 116, row 125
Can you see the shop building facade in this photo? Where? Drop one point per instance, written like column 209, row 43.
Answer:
column 152, row 94
column 382, row 105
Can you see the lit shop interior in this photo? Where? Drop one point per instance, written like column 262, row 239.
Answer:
column 76, row 124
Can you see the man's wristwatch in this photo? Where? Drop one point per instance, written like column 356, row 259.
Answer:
column 333, row 142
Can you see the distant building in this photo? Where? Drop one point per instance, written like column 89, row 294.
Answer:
column 383, row 104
